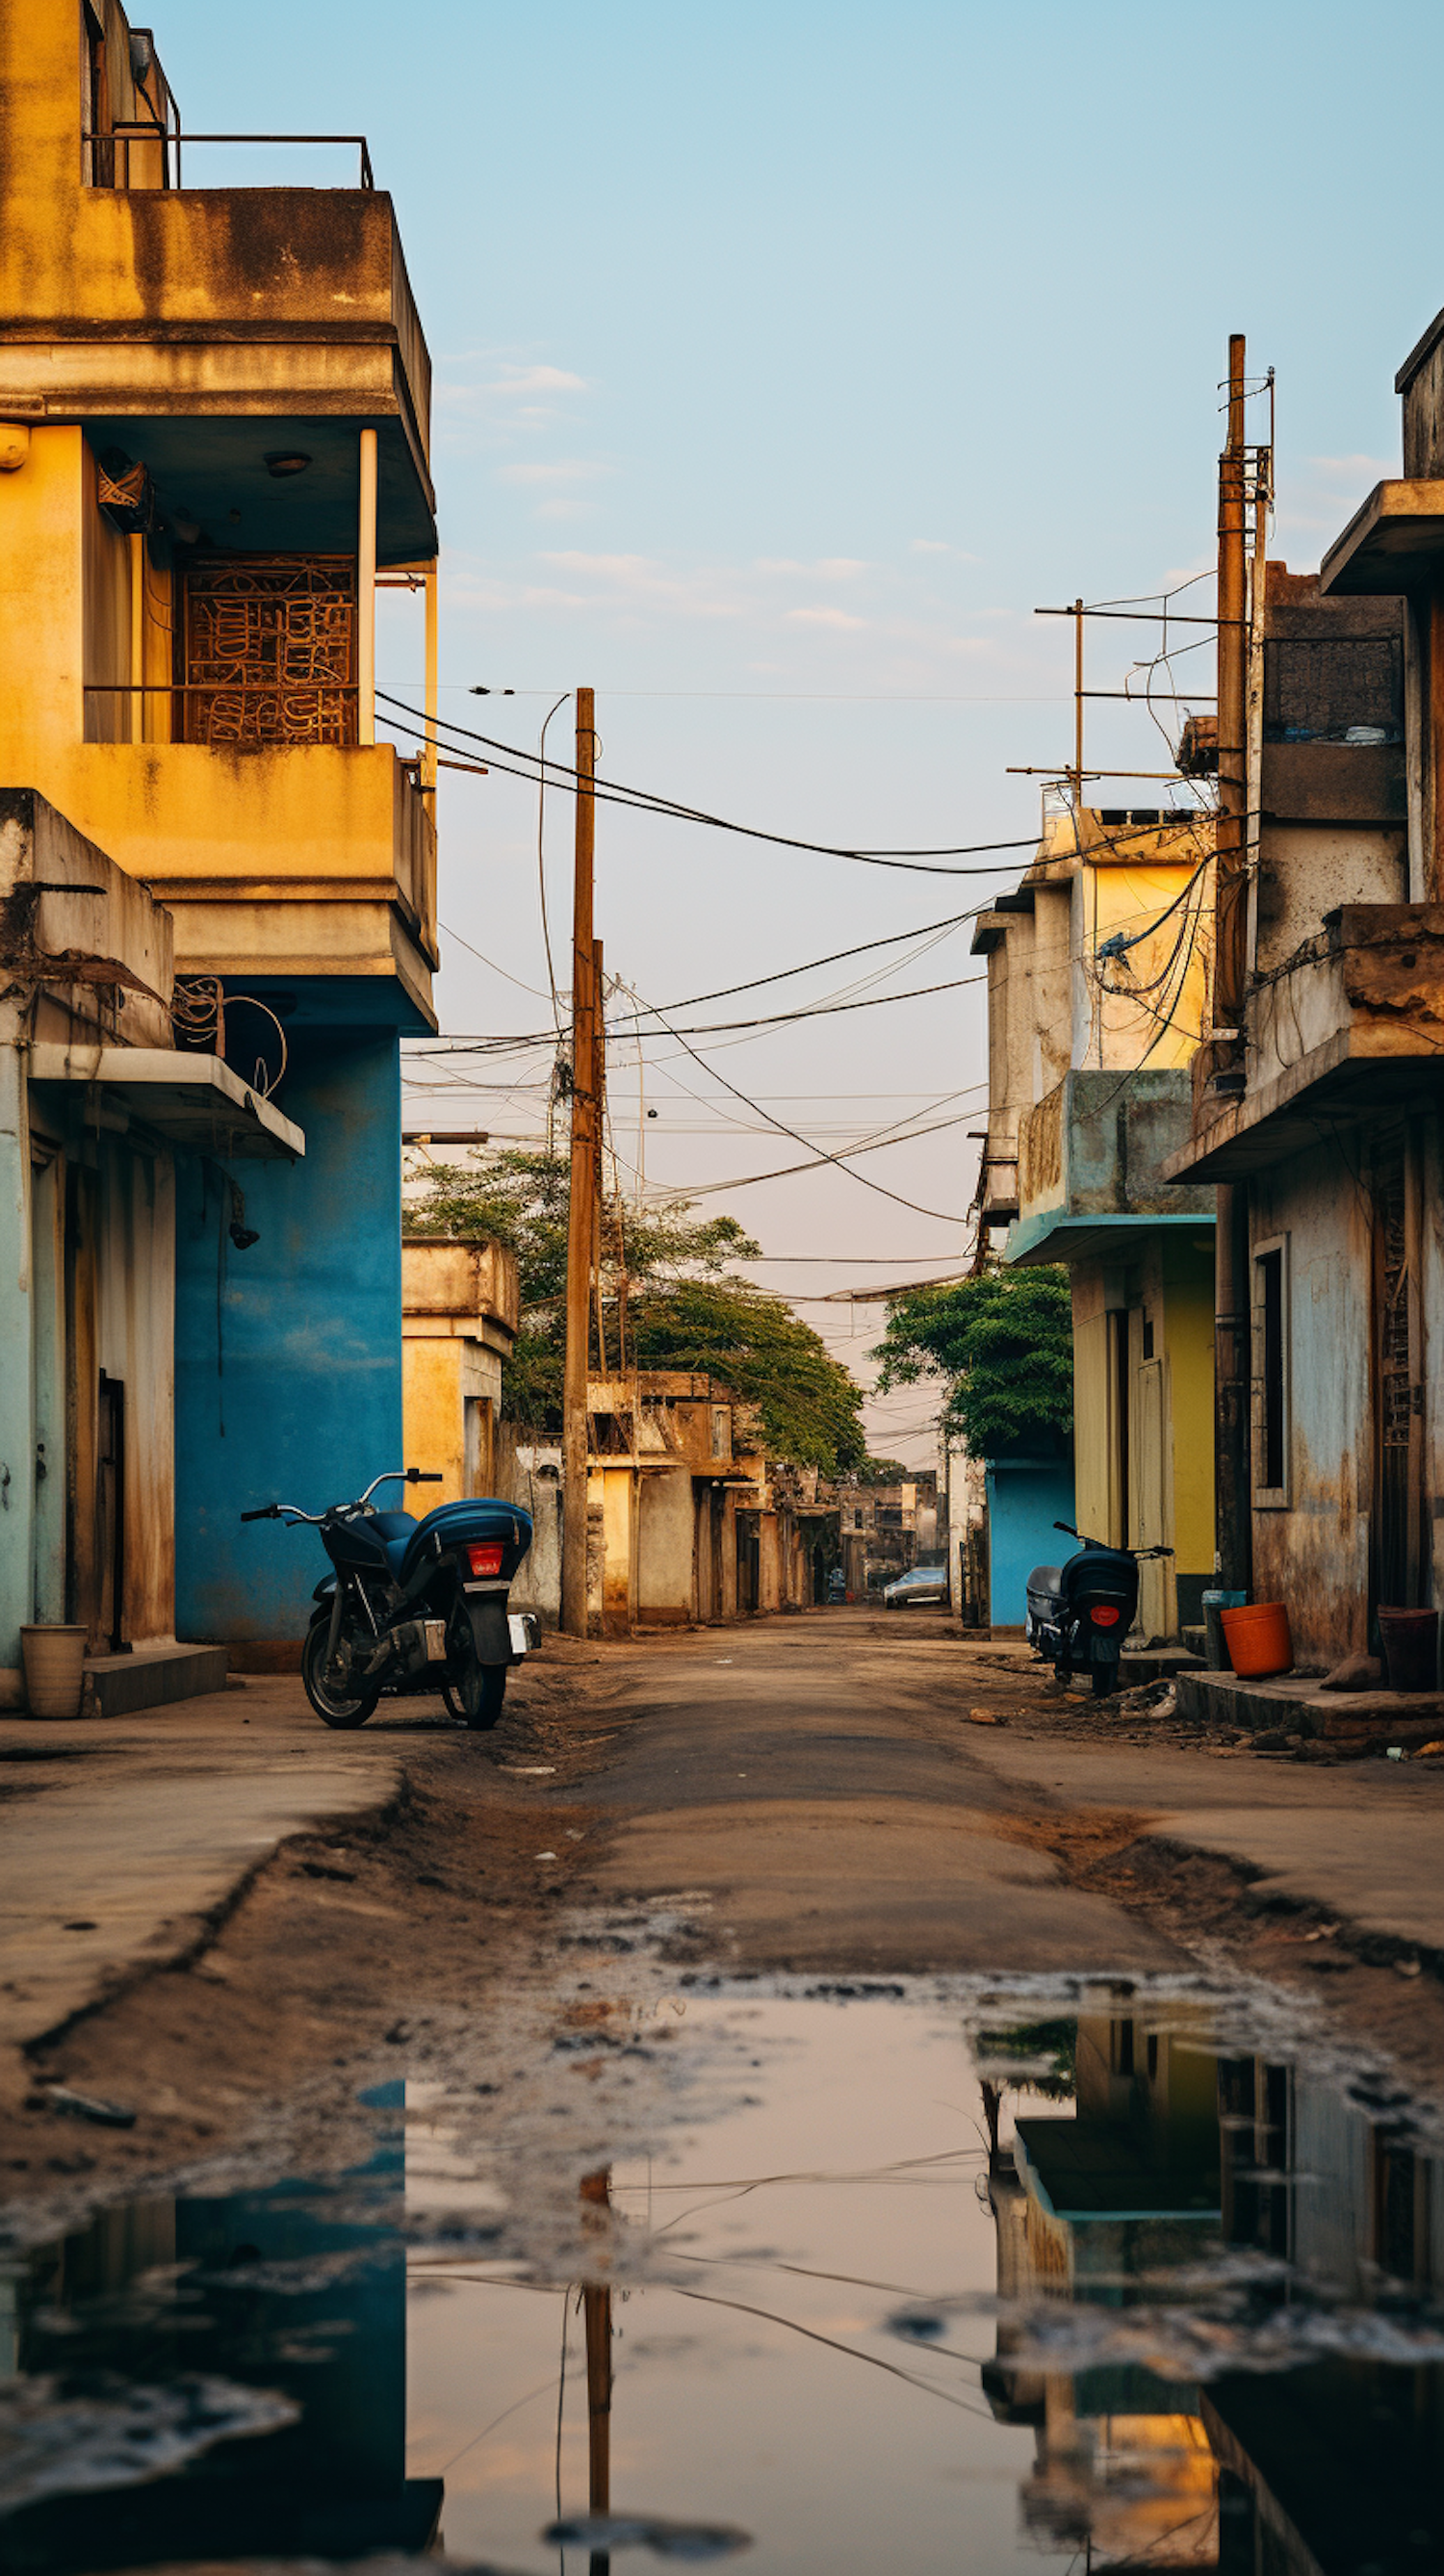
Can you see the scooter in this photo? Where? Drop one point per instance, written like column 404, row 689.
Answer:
column 1080, row 1612
column 413, row 1605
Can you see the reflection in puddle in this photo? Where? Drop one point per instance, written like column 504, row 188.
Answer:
column 904, row 2281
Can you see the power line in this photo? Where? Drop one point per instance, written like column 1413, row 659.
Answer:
column 799, row 1139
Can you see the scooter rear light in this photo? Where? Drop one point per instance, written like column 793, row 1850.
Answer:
column 1103, row 1615
column 485, row 1559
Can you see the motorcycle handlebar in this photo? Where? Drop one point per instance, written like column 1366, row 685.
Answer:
column 396, row 1476
column 1070, row 1532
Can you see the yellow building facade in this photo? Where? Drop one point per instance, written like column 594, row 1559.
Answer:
column 1099, row 980
column 214, row 435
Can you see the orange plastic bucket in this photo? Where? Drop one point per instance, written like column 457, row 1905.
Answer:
column 1258, row 1639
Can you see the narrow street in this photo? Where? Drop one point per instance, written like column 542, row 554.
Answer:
column 843, row 1794
column 751, row 1989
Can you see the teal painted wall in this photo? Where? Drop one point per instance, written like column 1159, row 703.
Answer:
column 1025, row 1497
column 288, row 1354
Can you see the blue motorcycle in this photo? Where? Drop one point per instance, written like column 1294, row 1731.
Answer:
column 413, row 1606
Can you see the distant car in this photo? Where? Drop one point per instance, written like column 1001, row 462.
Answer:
column 920, row 1583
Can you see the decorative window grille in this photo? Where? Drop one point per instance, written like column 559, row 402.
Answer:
column 269, row 650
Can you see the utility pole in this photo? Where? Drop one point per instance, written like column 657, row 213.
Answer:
column 581, row 1205
column 1078, row 723
column 599, row 1118
column 1233, row 1500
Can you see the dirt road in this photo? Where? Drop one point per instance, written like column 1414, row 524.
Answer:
column 220, row 1910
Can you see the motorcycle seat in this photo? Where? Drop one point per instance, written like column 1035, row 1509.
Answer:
column 477, row 1517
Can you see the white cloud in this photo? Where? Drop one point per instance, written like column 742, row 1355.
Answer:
column 538, row 380
column 939, row 546
column 837, row 617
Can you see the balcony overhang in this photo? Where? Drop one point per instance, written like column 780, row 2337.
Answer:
column 1051, row 1234
column 1355, row 1075
column 210, row 474
column 191, row 1100
column 1392, row 546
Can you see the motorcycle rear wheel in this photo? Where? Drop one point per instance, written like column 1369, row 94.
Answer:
column 477, row 1696
column 330, row 1706
column 1105, row 1677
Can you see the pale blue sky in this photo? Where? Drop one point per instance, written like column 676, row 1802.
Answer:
column 786, row 358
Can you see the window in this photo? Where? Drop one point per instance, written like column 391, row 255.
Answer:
column 1271, row 1373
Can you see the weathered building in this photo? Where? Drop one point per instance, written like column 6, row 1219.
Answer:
column 884, row 1529
column 105, row 1126
column 1322, row 1113
column 213, row 441
column 459, row 1317
column 1098, row 982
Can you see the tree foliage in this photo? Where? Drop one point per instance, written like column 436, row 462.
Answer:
column 1002, row 1344
column 684, row 1310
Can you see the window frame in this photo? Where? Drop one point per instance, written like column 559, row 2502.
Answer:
column 1271, row 1497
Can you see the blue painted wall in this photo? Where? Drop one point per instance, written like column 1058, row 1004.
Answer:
column 1025, row 1497
column 288, row 1354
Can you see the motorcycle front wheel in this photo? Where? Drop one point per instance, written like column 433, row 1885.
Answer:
column 330, row 1706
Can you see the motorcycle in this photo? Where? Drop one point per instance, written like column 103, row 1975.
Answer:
column 413, row 1605
column 1080, row 1612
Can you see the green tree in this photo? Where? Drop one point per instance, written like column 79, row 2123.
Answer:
column 683, row 1309
column 1001, row 1343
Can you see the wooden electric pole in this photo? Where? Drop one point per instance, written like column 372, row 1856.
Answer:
column 581, row 1208
column 1233, row 1499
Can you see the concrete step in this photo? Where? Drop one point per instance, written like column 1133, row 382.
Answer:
column 1156, row 1664
column 1295, row 1705
column 117, row 1685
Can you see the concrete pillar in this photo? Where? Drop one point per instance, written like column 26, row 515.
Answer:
column 366, row 593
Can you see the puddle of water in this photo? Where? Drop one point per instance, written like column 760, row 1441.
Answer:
column 901, row 2280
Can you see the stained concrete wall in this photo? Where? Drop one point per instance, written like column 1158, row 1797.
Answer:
column 530, row 1473
column 666, row 1550
column 1313, row 1553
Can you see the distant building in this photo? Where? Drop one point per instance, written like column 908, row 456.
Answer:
column 689, row 1520
column 1098, row 993
column 883, row 1529
column 459, row 1318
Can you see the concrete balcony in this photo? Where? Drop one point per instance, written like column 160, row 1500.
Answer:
column 294, row 860
column 1091, row 1160
column 1351, row 1025
column 187, row 326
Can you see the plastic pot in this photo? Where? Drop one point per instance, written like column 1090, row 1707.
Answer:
column 54, row 1660
column 1258, row 1639
column 1214, row 1604
column 1410, row 1639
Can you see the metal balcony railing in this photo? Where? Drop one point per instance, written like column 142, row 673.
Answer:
column 111, row 150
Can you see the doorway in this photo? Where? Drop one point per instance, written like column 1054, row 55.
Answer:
column 110, row 1514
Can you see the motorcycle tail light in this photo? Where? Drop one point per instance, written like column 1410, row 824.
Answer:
column 1103, row 1615
column 485, row 1559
